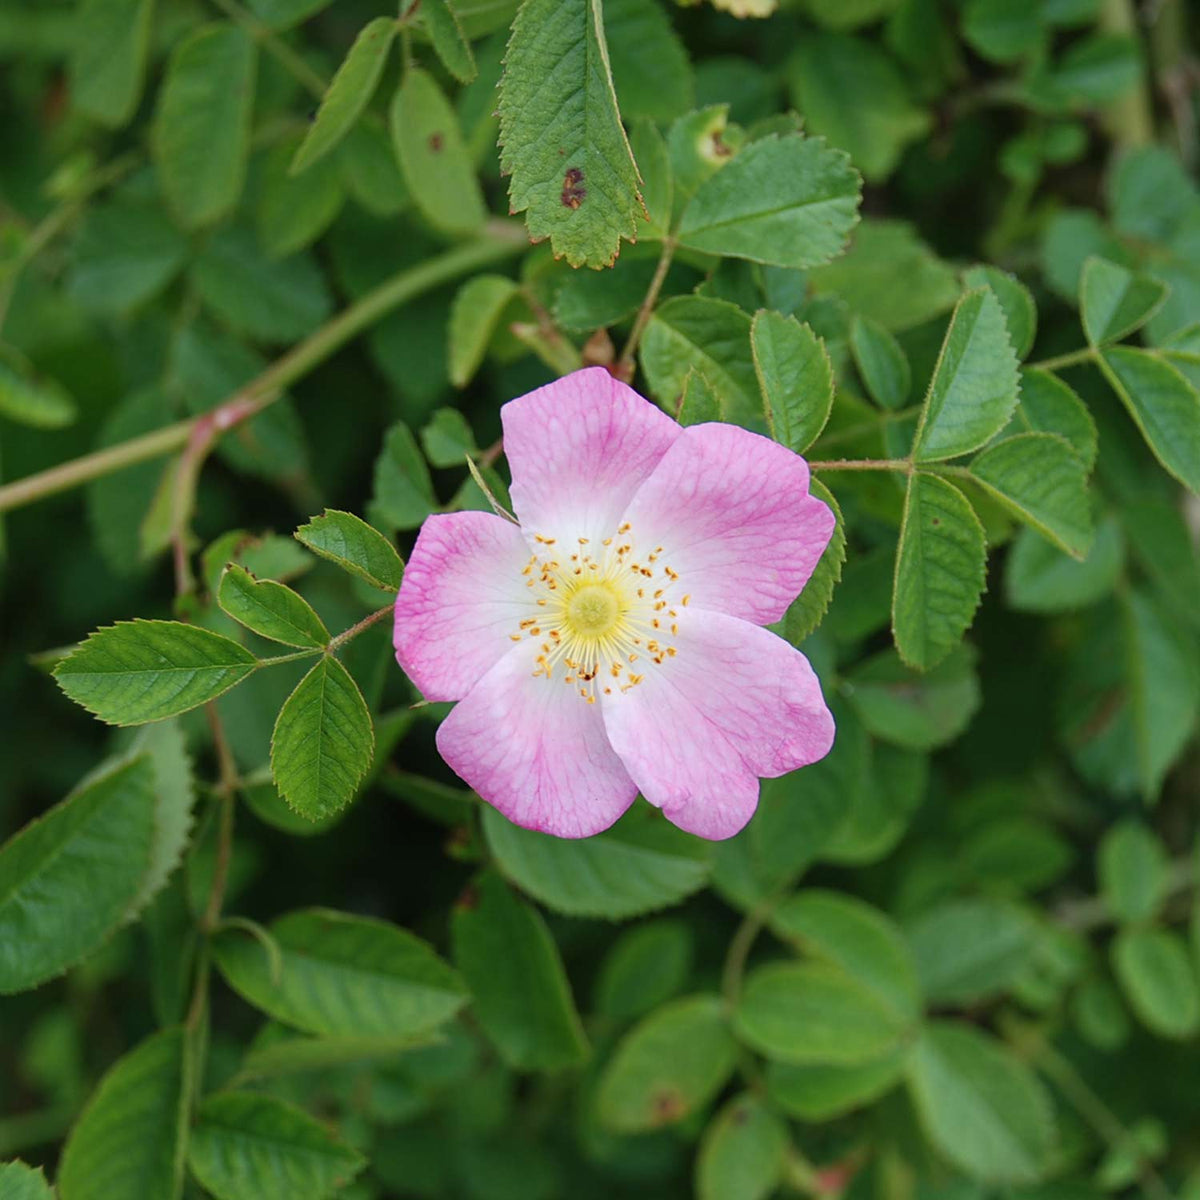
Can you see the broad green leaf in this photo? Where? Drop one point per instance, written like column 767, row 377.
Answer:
column 561, row 136
column 853, row 93
column 370, row 171
column 646, row 966
column 270, row 609
column 323, row 741
column 670, row 1065
column 403, row 495
column 1039, row 578
column 201, row 133
column 447, row 440
column 343, row 976
column 911, row 709
column 807, row 611
column 1098, row 69
column 1039, row 478
column 128, row 1142
column 813, row 1012
column 42, row 404
column 1150, row 193
column 698, row 403
column 1014, row 855
column 1160, row 541
column 1132, row 869
column 881, row 810
column 1069, row 238
column 1000, row 31
column 1163, row 404
column 850, row 14
column 650, row 67
column 658, row 185
column 819, row 1092
column 940, row 568
column 588, row 300
column 1100, row 1015
column 71, row 877
column 283, row 14
column 712, row 336
column 445, row 32
column 1020, row 312
column 110, row 42
column 790, row 201
column 139, row 671
column 699, row 145
column 433, row 157
column 743, row 1152
column 969, row 950
column 265, row 556
column 795, row 378
column 882, row 365
column 350, row 542
column 980, row 1105
column 284, row 1053
column 519, row 989
column 855, row 936
column 1158, row 977
column 247, row 1146
column 292, row 213
column 1114, row 302
column 1048, row 405
column 19, row 1182
column 474, row 318
column 641, row 864
column 349, row 92
column 974, row 387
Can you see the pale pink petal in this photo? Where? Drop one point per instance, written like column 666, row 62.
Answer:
column 535, row 749
column 734, row 704
column 733, row 516
column 462, row 597
column 578, row 449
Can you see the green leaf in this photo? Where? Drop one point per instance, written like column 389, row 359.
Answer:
column 646, row 966
column 247, row 1146
column 521, row 995
column 447, row 439
column 270, row 609
column 1041, row 480
column 474, row 318
column 349, row 92
column 1047, row 405
column 283, row 1053
column 667, row 1067
column 433, row 157
column 128, row 1143
column 975, row 385
column 1132, row 867
column 110, row 42
column 561, row 136
column 139, row 671
column 853, row 93
column 650, row 67
column 1020, row 312
column 813, row 1012
column 711, row 336
column 790, row 201
column 323, row 741
column 1164, row 406
column 1158, row 978
column 968, row 951
column 882, row 365
column 19, row 1182
column 42, row 404
column 850, row 14
column 658, row 186
column 881, row 810
column 698, row 402
column 201, row 133
column 980, row 1105
column 856, row 937
column 1000, row 31
column 806, row 612
column 292, row 213
column 819, row 1092
column 1040, row 579
column 403, row 495
column 343, row 976
column 1114, row 302
column 370, row 171
column 940, row 569
column 743, row 1152
column 442, row 25
column 69, row 878
column 350, row 542
column 641, row 864
column 795, row 378
column 283, row 14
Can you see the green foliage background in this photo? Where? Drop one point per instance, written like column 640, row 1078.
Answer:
column 263, row 289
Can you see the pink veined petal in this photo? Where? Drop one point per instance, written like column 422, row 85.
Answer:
column 536, row 750
column 732, row 512
column 578, row 449
column 736, row 703
column 462, row 597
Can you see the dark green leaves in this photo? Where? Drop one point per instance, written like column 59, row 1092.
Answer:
column 270, row 609
column 795, row 377
column 743, row 1152
column 790, row 201
column 403, row 495
column 41, row 404
column 561, row 135
column 446, row 33
column 111, row 41
column 19, row 1182
column 1159, row 979
column 1114, row 301
column 138, row 671
column 881, row 363
column 342, row 975
column 323, row 741
column 350, row 542
column 252, row 1147
column 1132, row 867
column 202, row 127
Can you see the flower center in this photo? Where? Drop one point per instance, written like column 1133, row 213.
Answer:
column 593, row 611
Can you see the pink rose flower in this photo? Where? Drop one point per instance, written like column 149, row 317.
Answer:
column 610, row 643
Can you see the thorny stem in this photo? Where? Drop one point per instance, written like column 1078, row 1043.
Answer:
column 502, row 239
column 864, row 464
column 624, row 366
column 355, row 630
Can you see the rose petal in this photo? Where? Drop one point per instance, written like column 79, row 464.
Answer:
column 462, row 597
column 578, row 449
column 535, row 749
column 734, row 704
column 732, row 512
